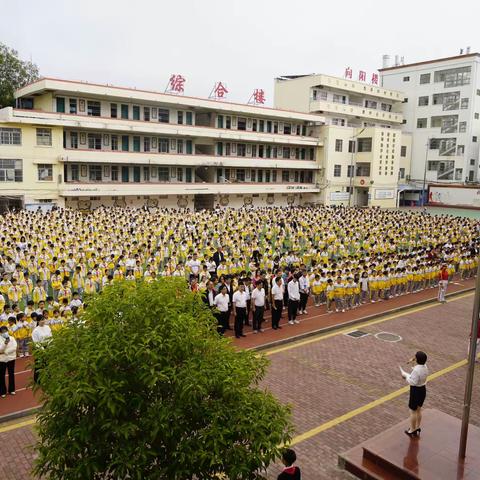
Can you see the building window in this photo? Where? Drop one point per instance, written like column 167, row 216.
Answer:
column 163, row 115
column 403, row 151
column 338, row 145
column 464, row 103
column 240, row 174
column 114, row 173
column 146, row 174
column 179, row 174
column 462, row 127
column 74, row 173
column 406, row 79
column 73, row 105
column 113, row 110
column 93, row 108
column 458, row 173
column 453, row 77
column 136, row 112
column 136, row 144
column 337, row 170
column 11, row 170
column 421, row 123
column 163, row 174
column 405, row 100
column 10, row 136
column 285, row 176
column 73, row 139
column 350, row 171
column 180, row 146
column 401, row 173
column 95, row 173
column 472, row 162
column 60, row 105
column 124, row 111
column 188, row 175
column 94, row 141
column 474, row 138
column 180, row 118
column 189, row 118
column 424, row 78
column 45, row 172
column 423, row 101
column 125, row 143
column 114, row 142
column 351, row 146
column 44, row 136
column 476, row 116
column 242, row 123
column 364, row 145
column 163, row 145
column 146, row 144
column 146, row 114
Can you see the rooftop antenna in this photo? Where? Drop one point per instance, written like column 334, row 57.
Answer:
column 468, row 50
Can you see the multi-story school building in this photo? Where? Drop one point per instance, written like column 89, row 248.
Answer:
column 82, row 145
column 365, row 156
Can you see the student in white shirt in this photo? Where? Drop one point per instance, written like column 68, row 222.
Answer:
column 258, row 306
column 239, row 301
column 293, row 300
column 304, row 287
column 8, row 353
column 278, row 290
column 221, row 301
column 417, row 381
column 40, row 336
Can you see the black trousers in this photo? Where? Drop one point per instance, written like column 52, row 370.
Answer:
column 292, row 309
column 10, row 367
column 222, row 319
column 240, row 317
column 249, row 307
column 277, row 313
column 258, row 318
column 303, row 301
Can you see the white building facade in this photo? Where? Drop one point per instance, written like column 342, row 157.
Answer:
column 441, row 109
column 83, row 145
column 365, row 154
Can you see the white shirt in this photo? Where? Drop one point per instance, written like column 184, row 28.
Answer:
column 418, row 377
column 221, row 302
column 277, row 292
column 240, row 299
column 258, row 297
column 194, row 266
column 8, row 351
column 304, row 284
column 40, row 334
column 293, row 290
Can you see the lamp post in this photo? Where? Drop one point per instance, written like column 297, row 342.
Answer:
column 425, row 171
column 352, row 165
column 471, row 369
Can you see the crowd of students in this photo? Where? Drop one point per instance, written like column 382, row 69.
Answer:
column 241, row 261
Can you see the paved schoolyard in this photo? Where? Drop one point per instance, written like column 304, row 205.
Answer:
column 325, row 378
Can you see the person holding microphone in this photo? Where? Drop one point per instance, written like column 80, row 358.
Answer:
column 8, row 354
column 417, row 380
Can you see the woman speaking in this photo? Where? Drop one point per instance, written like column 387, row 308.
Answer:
column 418, row 391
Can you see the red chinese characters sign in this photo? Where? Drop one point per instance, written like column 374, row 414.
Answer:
column 219, row 91
column 362, row 76
column 176, row 84
column 258, row 97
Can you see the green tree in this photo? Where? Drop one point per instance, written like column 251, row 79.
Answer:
column 14, row 73
column 144, row 388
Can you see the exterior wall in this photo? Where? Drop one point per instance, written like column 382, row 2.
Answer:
column 412, row 111
column 31, row 154
column 449, row 195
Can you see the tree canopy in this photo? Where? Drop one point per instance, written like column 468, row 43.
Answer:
column 14, row 73
column 142, row 387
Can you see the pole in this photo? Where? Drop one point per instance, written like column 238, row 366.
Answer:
column 471, row 369
column 425, row 172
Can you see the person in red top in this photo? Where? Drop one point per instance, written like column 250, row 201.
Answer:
column 442, row 284
column 290, row 472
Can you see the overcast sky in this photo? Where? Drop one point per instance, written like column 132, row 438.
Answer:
column 243, row 43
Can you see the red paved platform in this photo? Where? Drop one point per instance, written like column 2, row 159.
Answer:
column 315, row 321
column 431, row 456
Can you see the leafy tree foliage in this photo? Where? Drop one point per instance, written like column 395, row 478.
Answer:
column 144, row 388
column 14, row 73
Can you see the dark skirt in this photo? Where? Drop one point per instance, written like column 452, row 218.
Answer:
column 417, row 397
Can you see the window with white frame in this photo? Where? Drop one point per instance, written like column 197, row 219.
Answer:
column 338, row 145
column 424, row 78
column 423, row 101
column 11, row 170
column 10, row 136
column 45, row 172
column 44, row 136
column 337, row 170
column 163, row 144
column 163, row 174
column 95, row 173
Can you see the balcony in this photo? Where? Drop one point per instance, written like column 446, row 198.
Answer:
column 107, row 125
column 149, row 158
column 87, row 189
column 355, row 111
